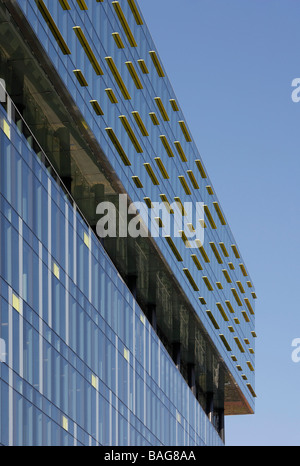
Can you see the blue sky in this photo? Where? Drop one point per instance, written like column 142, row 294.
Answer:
column 231, row 64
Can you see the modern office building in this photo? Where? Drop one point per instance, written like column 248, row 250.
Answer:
column 134, row 338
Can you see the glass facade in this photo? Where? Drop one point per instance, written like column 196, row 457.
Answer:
column 84, row 362
column 83, row 365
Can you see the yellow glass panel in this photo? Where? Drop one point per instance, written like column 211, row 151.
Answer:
column 200, row 168
column 243, row 269
column 135, row 12
column 131, row 134
column 207, row 283
column 94, row 381
column 228, row 304
column 166, row 203
column 236, row 296
column 244, row 313
column 224, row 250
column 111, row 95
column 185, row 131
column 154, row 118
column 16, row 302
column 226, row 275
column 166, row 145
column 6, row 128
column 97, row 109
column 216, row 252
column 53, row 28
column 65, row 423
column 162, row 168
column 204, row 255
column 118, row 40
column 239, row 284
column 251, row 390
column 213, row 320
column 173, row 248
column 143, row 66
column 126, row 354
column 180, row 151
column 151, row 174
column 80, row 77
column 134, row 75
column 235, row 251
column 56, row 270
column 137, row 181
column 225, row 342
column 239, row 344
column 222, row 312
column 184, row 185
column 88, row 50
column 174, row 105
column 180, row 206
column 140, row 123
column 219, row 212
column 209, row 216
column 159, row 222
column 161, row 108
column 118, row 78
column 196, row 262
column 86, row 239
column 157, row 64
column 124, row 24
column 118, row 146
column 193, row 179
column 148, row 202
column 64, row 4
column 249, row 305
column 190, row 278
column 82, row 4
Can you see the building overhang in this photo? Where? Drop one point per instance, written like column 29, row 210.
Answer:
column 93, row 179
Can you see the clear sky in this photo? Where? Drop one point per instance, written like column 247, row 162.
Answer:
column 231, row 64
